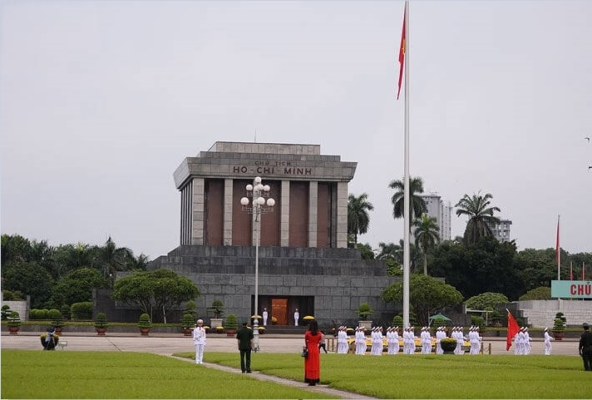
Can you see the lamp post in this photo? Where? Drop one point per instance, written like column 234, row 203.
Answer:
column 259, row 204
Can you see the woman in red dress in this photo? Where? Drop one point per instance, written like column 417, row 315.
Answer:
column 312, row 363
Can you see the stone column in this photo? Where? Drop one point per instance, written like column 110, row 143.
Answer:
column 197, row 207
column 341, row 228
column 285, row 215
column 313, row 201
column 228, row 193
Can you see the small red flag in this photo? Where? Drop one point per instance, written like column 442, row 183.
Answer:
column 513, row 329
column 402, row 54
column 570, row 273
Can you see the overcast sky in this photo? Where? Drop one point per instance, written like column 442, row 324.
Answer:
column 100, row 101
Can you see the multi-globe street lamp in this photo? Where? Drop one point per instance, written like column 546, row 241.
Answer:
column 259, row 204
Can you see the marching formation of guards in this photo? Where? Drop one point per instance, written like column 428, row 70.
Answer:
column 394, row 338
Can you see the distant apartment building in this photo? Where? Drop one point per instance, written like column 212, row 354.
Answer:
column 501, row 231
column 442, row 211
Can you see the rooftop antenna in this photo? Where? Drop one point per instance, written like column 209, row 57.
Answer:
column 255, row 135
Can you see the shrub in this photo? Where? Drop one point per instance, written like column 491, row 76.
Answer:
column 398, row 321
column 82, row 310
column 54, row 314
column 231, row 322
column 190, row 307
column 540, row 293
column 188, row 321
column 101, row 320
column 217, row 309
column 144, row 321
column 364, row 311
column 65, row 310
column 38, row 314
column 14, row 319
column 5, row 312
column 478, row 321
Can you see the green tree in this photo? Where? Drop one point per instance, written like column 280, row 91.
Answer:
column 426, row 237
column 155, row 292
column 77, row 286
column 113, row 259
column 358, row 219
column 486, row 301
column 426, row 295
column 540, row 293
column 366, row 251
column 15, row 248
column 417, row 204
column 478, row 209
column 486, row 266
column 29, row 278
column 392, row 251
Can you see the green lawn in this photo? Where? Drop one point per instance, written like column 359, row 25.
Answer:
column 126, row 375
column 63, row 374
column 431, row 376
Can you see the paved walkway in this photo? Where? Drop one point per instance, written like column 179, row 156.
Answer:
column 167, row 344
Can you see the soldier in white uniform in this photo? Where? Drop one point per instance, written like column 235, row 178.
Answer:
column 265, row 316
column 377, row 343
column 426, row 340
column 527, row 340
column 360, row 341
column 199, row 340
column 396, row 339
column 548, row 339
column 341, row 341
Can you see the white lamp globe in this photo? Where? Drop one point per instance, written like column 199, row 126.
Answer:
column 258, row 179
column 244, row 201
column 259, row 187
column 260, row 201
column 271, row 202
column 249, row 187
column 266, row 188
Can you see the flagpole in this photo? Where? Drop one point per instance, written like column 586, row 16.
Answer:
column 406, row 255
column 558, row 250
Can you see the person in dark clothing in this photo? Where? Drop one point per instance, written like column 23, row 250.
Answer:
column 244, row 336
column 50, row 342
column 586, row 347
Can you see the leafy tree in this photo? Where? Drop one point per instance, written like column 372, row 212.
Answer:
column 29, row 278
column 540, row 293
column 154, row 292
column 426, row 237
column 392, row 251
column 358, row 219
column 426, row 295
column 417, row 204
column 77, row 286
column 366, row 251
column 478, row 209
column 487, row 266
column 114, row 259
column 486, row 301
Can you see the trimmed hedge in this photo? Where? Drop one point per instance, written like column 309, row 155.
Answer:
column 83, row 310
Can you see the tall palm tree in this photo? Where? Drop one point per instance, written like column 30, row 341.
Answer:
column 480, row 212
column 417, row 203
column 426, row 236
column 358, row 220
column 114, row 258
column 389, row 250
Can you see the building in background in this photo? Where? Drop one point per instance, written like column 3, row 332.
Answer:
column 442, row 211
column 501, row 231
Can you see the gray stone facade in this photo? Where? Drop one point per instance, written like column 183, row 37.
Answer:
column 337, row 280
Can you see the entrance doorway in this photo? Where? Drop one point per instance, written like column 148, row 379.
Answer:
column 279, row 310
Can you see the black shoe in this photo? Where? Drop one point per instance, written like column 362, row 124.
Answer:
column 243, row 372
column 249, row 371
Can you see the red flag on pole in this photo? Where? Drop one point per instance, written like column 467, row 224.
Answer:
column 570, row 272
column 513, row 329
column 402, row 54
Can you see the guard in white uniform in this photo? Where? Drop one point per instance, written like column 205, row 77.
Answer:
column 199, row 340
column 548, row 339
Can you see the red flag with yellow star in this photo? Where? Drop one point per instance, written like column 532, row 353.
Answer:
column 402, row 55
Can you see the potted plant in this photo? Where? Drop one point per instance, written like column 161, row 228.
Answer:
column 558, row 326
column 448, row 345
column 364, row 311
column 231, row 325
column 217, row 310
column 14, row 322
column 188, row 323
column 144, row 324
column 101, row 324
